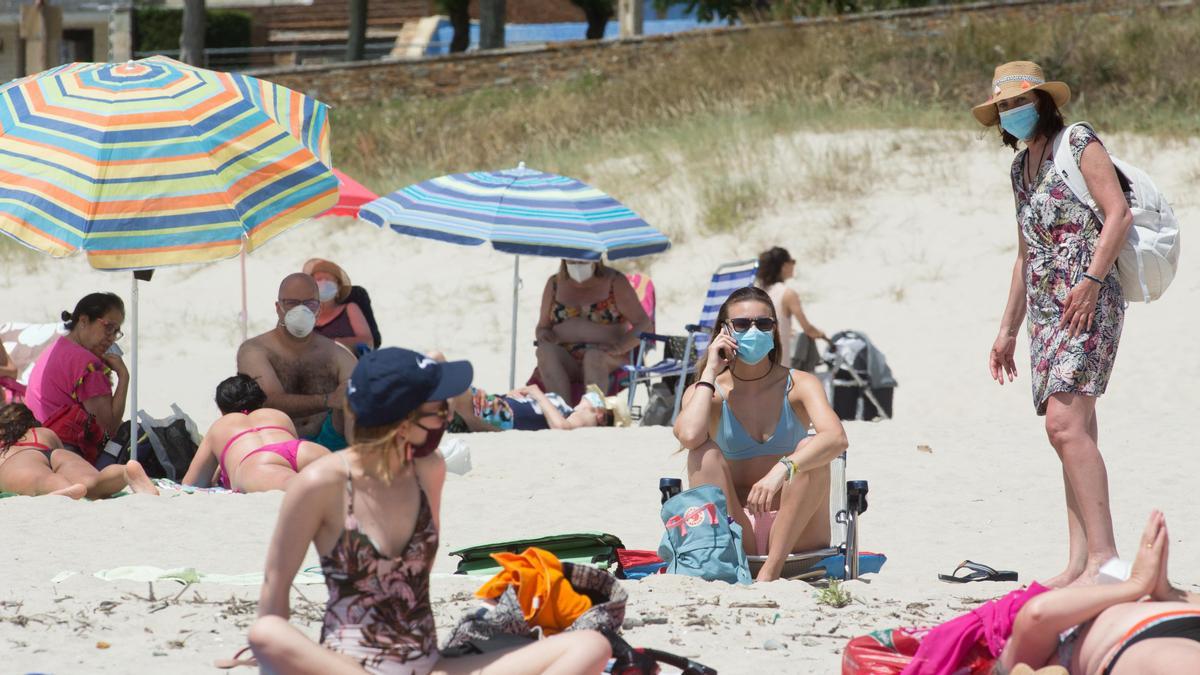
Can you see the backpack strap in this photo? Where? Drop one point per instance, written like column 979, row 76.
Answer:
column 1068, row 168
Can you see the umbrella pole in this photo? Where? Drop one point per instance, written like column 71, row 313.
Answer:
column 244, row 319
column 512, row 355
column 133, row 372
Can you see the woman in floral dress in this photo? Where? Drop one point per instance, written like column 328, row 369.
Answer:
column 1065, row 284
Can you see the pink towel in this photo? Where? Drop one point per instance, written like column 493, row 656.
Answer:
column 991, row 623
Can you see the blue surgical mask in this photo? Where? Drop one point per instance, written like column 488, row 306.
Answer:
column 1020, row 121
column 753, row 345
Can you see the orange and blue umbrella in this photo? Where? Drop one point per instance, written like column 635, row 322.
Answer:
column 154, row 162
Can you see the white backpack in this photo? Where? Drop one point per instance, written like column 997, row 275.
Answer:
column 1147, row 263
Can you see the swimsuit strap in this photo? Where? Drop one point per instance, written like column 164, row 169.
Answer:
column 233, row 439
column 349, row 488
column 35, row 444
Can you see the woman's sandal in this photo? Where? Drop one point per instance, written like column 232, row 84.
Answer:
column 237, row 660
column 978, row 572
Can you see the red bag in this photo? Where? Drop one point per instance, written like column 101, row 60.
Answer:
column 75, row 426
column 889, row 651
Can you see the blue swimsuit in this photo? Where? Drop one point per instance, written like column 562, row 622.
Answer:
column 736, row 444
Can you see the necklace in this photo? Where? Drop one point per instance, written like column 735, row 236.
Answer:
column 1038, row 168
column 752, row 379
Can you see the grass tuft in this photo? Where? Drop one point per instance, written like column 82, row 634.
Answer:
column 834, row 595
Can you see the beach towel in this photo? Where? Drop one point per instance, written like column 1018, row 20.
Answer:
column 546, row 597
column 989, row 625
column 638, row 564
column 700, row 539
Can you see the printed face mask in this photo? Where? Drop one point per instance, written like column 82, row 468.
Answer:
column 326, row 290
column 1020, row 121
column 753, row 345
column 580, row 271
column 299, row 321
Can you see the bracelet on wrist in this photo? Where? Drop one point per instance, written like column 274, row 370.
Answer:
column 710, row 385
column 790, row 466
column 1096, row 279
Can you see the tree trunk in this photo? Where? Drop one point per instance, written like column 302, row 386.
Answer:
column 191, row 41
column 629, row 13
column 356, row 42
column 598, row 14
column 491, row 24
column 460, row 19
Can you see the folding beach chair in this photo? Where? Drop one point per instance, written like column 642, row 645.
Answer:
column 727, row 279
column 24, row 342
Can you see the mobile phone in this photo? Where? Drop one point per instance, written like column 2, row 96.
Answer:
column 721, row 352
column 114, row 349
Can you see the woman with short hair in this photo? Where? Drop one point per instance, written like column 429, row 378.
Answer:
column 69, row 388
column 1064, row 283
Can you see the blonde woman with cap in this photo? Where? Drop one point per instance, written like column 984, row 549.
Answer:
column 371, row 513
column 340, row 319
column 1064, row 285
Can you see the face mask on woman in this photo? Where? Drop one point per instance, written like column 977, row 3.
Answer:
column 1020, row 121
column 299, row 321
column 433, row 438
column 580, row 271
column 326, row 290
column 753, row 345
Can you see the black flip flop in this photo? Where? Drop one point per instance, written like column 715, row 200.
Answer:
column 979, row 572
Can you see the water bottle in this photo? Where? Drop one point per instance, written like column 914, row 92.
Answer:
column 669, row 487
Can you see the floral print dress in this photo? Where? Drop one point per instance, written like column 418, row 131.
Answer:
column 1062, row 234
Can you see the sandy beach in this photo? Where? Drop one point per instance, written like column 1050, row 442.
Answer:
column 917, row 256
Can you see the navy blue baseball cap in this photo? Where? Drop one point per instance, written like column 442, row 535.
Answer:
column 389, row 383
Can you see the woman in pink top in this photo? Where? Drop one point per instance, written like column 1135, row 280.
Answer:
column 251, row 448
column 69, row 388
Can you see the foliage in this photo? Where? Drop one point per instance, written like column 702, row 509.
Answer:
column 158, row 29
column 755, row 11
column 834, row 595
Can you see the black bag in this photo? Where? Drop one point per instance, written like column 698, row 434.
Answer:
column 358, row 295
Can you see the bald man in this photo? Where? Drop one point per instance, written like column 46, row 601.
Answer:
column 303, row 373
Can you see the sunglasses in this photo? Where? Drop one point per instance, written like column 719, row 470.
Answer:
column 442, row 414
column 111, row 328
column 763, row 323
column 288, row 305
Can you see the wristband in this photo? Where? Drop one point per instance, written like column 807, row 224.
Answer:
column 710, row 385
column 790, row 466
column 1098, row 280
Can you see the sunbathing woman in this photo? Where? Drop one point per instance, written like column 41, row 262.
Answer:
column 1112, row 628
column 528, row 408
column 366, row 512
column 33, row 462
column 251, row 448
column 746, row 425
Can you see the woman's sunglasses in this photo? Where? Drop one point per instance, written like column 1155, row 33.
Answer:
column 442, row 414
column 763, row 323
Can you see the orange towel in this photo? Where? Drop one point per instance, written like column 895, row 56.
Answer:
column 545, row 594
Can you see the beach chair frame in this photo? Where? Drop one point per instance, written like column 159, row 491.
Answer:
column 727, row 278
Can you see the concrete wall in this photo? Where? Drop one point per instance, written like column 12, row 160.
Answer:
column 97, row 22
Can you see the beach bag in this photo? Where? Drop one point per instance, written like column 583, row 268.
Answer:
column 700, row 540
column 1150, row 257
column 173, row 441
column 595, row 549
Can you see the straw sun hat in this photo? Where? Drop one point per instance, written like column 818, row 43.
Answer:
column 614, row 404
column 1013, row 79
column 314, row 265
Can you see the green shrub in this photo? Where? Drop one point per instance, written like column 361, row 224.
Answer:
column 157, row 29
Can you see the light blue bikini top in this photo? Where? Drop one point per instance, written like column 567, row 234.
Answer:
column 736, row 444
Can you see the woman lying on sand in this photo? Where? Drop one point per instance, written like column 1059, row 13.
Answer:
column 367, row 513
column 745, row 424
column 251, row 448
column 33, row 462
column 1113, row 629
column 528, row 408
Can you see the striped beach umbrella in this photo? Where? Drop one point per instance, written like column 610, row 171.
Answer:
column 521, row 211
column 154, row 162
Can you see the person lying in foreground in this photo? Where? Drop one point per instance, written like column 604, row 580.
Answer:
column 528, row 408
column 746, row 426
column 379, row 618
column 34, row 462
column 1113, row 629
column 250, row 448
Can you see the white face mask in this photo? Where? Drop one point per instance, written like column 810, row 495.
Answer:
column 581, row 271
column 299, row 321
column 326, row 290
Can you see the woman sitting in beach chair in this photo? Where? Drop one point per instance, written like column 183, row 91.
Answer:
column 528, row 408
column 1112, row 629
column 763, row 433
column 33, row 462
column 367, row 513
column 250, row 448
column 590, row 319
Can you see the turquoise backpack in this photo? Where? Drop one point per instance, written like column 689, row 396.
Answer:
column 700, row 540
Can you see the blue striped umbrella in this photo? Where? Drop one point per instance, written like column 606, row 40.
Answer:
column 521, row 211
